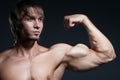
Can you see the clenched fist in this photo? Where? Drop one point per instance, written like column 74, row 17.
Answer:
column 72, row 20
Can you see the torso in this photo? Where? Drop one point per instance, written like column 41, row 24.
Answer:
column 41, row 67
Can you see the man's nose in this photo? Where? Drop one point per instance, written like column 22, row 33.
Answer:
column 37, row 24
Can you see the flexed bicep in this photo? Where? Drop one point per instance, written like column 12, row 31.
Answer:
column 82, row 58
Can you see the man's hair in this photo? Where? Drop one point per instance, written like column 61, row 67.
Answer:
column 19, row 12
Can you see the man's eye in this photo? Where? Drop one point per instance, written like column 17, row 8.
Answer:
column 29, row 19
column 40, row 19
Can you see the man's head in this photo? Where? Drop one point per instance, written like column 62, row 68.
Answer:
column 26, row 19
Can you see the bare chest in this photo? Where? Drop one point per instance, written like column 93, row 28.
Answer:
column 24, row 69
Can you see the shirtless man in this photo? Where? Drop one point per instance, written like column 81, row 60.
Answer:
column 28, row 60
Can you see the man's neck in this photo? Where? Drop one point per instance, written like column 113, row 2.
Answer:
column 27, row 49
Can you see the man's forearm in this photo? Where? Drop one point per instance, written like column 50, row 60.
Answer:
column 98, row 41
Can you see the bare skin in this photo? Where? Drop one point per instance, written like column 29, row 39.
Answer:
column 30, row 61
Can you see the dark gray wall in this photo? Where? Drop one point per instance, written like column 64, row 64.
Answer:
column 104, row 14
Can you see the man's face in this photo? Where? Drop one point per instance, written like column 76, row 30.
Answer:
column 32, row 25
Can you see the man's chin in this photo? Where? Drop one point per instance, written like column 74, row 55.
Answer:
column 34, row 38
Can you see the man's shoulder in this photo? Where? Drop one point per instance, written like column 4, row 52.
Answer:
column 4, row 54
column 60, row 45
column 43, row 49
column 55, row 47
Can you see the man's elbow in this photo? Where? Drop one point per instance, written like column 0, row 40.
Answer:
column 110, row 55
column 113, row 55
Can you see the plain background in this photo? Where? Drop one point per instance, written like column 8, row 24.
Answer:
column 104, row 14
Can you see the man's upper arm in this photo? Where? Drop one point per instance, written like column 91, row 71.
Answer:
column 82, row 58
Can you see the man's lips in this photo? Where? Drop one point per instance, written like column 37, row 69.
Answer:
column 36, row 32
